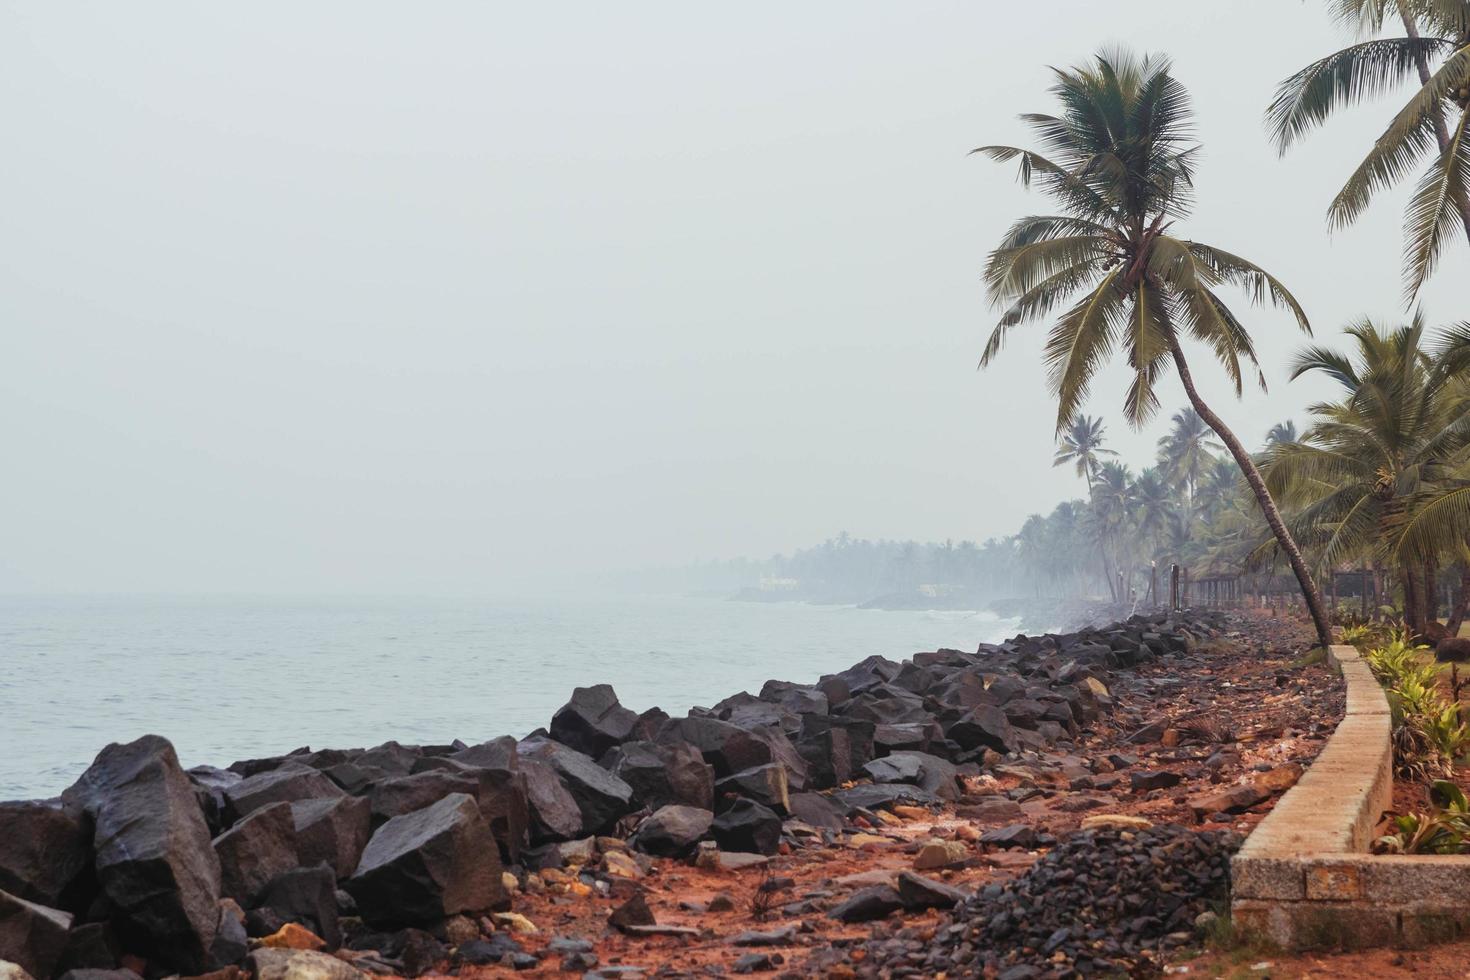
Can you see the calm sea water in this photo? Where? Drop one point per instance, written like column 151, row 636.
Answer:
column 232, row 678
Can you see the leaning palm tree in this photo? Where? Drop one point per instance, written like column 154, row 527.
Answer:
column 1118, row 160
column 1082, row 445
column 1436, row 48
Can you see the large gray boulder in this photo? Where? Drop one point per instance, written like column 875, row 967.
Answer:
column 45, row 853
column 748, row 827
column 554, row 814
column 155, row 863
column 593, row 721
column 663, row 774
column 601, row 797
column 728, row 748
column 672, row 831
column 332, row 832
column 32, row 936
column 255, row 850
column 424, row 866
column 291, row 782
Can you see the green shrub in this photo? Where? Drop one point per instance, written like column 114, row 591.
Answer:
column 1443, row 829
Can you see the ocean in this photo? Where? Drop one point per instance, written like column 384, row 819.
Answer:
column 227, row 678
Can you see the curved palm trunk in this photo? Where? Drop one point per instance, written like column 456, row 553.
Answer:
column 1263, row 496
column 1440, row 131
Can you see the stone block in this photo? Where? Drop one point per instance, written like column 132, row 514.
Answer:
column 1334, row 881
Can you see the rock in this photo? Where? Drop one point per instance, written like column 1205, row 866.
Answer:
column 502, row 792
column 929, row 772
column 619, row 864
column 515, row 922
column 93, row 974
column 600, row 796
column 1120, row 821
column 726, row 747
column 1016, row 835
column 45, row 854
column 209, row 788
column 873, row 797
column 427, row 865
column 817, row 811
column 486, row 952
column 300, row 964
column 661, row 930
column 753, row 963
column 917, row 892
column 593, row 721
column 1144, row 781
column 984, row 726
column 398, row 795
column 633, row 912
column 1280, row 779
column 739, row 861
column 941, row 854
column 32, row 936
column 93, row 946
column 992, row 809
column 332, row 832
column 255, row 850
column 765, row 785
column 306, row 897
column 293, row 936
column 664, row 774
column 672, row 831
column 1233, row 799
column 554, row 814
column 748, row 826
column 292, row 782
column 230, row 940
column 784, row 936
column 154, row 859
column 868, row 904
column 1152, row 732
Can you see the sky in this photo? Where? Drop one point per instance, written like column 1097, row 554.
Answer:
column 458, row 297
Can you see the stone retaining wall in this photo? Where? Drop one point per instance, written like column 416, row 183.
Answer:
column 1305, row 878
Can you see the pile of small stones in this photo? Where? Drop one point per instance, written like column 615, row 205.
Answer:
column 1104, row 902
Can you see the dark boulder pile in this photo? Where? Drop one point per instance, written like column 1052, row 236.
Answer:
column 1103, row 902
column 393, row 855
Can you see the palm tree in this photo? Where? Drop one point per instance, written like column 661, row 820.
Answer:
column 1357, row 473
column 1187, row 451
column 1281, row 432
column 1118, row 160
column 1440, row 56
column 1082, row 444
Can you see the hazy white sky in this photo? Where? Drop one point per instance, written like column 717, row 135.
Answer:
column 352, row 296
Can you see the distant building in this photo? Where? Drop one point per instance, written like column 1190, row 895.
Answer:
column 779, row 585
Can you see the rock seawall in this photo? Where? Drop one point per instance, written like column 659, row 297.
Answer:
column 403, row 858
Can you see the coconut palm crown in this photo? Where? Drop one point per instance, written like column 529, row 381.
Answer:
column 1434, row 123
column 1118, row 160
column 1082, row 445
